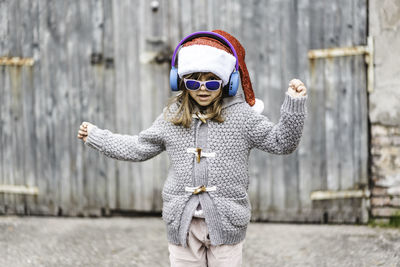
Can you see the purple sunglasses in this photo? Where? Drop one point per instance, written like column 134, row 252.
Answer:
column 193, row 85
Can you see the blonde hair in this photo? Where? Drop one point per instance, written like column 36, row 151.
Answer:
column 186, row 105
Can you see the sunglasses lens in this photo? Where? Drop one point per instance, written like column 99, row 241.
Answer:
column 212, row 85
column 192, row 85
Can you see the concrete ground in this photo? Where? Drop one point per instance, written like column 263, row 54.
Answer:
column 141, row 241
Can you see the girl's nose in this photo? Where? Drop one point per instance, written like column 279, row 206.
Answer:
column 202, row 87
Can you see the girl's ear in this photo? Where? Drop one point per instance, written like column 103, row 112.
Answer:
column 225, row 91
column 181, row 86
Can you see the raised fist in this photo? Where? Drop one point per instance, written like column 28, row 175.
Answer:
column 296, row 88
column 84, row 130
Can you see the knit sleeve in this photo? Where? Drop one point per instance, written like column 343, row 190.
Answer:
column 147, row 144
column 282, row 137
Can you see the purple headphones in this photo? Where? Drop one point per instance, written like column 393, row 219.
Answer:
column 233, row 83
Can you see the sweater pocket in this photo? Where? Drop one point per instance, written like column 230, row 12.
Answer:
column 173, row 206
column 236, row 211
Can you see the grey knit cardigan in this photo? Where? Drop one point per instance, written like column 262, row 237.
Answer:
column 227, row 209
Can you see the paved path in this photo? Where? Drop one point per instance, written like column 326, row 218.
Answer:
column 44, row 241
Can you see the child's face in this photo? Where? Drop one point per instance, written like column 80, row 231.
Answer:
column 203, row 97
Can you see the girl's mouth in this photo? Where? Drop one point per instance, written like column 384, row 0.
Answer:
column 203, row 97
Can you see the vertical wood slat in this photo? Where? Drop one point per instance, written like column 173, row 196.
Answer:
column 74, row 200
column 343, row 116
column 346, row 103
column 55, row 85
column 304, row 151
column 4, row 112
column 63, row 89
column 127, row 81
column 40, row 131
column 29, row 48
column 153, row 35
column 92, row 14
column 69, row 15
column 289, row 71
column 4, row 108
column 109, row 100
column 259, row 188
column 3, row 36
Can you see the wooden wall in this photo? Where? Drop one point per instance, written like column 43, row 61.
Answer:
column 108, row 62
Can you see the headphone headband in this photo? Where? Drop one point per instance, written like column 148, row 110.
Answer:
column 205, row 34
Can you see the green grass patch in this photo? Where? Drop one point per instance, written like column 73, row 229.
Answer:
column 392, row 222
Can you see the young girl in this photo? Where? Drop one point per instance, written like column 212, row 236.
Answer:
column 208, row 130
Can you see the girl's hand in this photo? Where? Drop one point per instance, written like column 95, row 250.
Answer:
column 84, row 130
column 296, row 88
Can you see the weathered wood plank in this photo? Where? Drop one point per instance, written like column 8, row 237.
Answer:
column 57, row 106
column 346, row 101
column 290, row 70
column 3, row 51
column 109, row 100
column 304, row 150
column 28, row 122
column 42, row 112
column 276, row 96
column 316, row 111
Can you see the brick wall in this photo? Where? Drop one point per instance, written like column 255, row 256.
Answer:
column 385, row 152
column 384, row 108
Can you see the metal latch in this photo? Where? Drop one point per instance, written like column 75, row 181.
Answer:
column 368, row 51
column 16, row 61
column 19, row 189
column 340, row 194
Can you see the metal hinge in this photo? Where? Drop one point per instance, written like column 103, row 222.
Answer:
column 368, row 51
column 19, row 189
column 330, row 194
column 16, row 61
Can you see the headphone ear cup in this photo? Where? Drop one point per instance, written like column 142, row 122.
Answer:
column 174, row 79
column 233, row 83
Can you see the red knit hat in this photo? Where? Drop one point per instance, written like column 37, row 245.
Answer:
column 206, row 54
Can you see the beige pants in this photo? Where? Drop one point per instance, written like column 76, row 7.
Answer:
column 200, row 252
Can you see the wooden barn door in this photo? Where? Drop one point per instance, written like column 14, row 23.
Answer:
column 326, row 179
column 108, row 62
column 278, row 35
